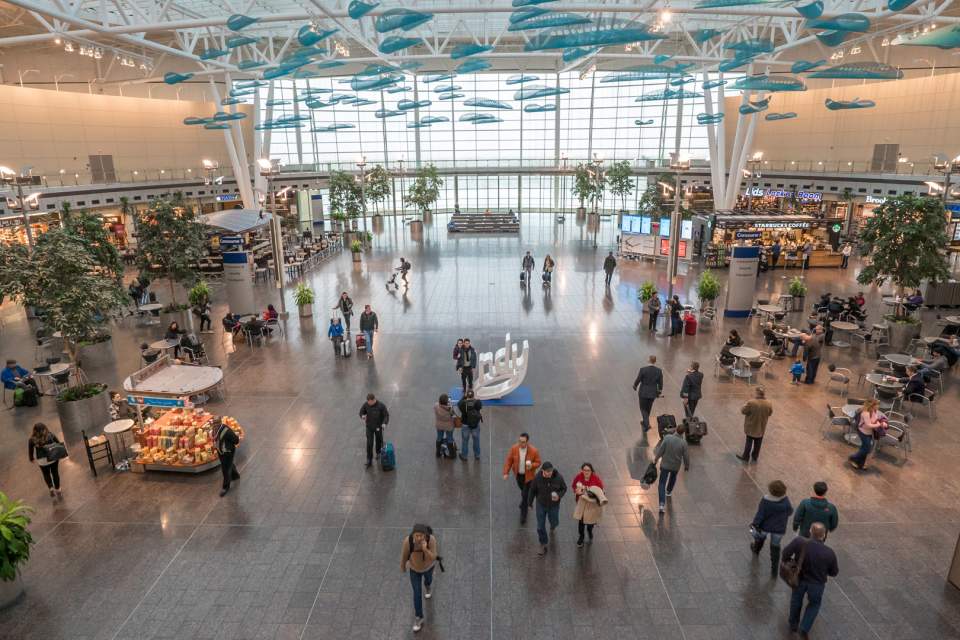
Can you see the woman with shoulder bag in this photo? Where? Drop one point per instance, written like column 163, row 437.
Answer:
column 445, row 420
column 47, row 450
column 869, row 422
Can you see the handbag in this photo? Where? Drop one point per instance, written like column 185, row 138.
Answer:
column 790, row 569
column 649, row 476
column 55, row 451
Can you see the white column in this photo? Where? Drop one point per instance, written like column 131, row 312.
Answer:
column 239, row 170
column 733, row 180
column 715, row 163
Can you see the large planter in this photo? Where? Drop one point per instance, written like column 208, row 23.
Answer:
column 356, row 256
column 581, row 211
column 89, row 414
column 799, row 302
column 416, row 227
column 97, row 353
column 10, row 591
column 306, row 310
column 901, row 333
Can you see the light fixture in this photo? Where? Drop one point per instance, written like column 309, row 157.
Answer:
column 57, row 41
column 757, row 156
column 210, row 164
column 7, row 172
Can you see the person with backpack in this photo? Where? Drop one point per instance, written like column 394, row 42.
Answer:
column 47, row 450
column 815, row 509
column 345, row 307
column 691, row 389
column 369, row 324
column 335, row 333
column 771, row 518
column 466, row 364
column 444, row 421
column 227, row 441
column 671, row 451
column 404, row 269
column 419, row 553
column 470, row 411
column 375, row 417
column 547, row 489
column 522, row 461
column 817, row 562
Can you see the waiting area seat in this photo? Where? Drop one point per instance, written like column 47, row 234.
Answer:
column 483, row 223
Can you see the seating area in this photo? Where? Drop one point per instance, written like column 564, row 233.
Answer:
column 483, row 223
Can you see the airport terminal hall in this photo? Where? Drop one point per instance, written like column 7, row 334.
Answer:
column 492, row 320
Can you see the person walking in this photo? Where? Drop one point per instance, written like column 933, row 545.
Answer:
column 756, row 413
column 202, row 311
column 444, row 421
column 812, row 350
column 528, row 265
column 772, row 515
column 470, row 411
column 648, row 385
column 523, row 461
column 546, row 490
column 335, row 333
column 815, row 509
column 817, row 563
column 345, row 307
column 807, row 252
column 375, row 418
column 845, row 255
column 39, row 449
column 590, row 500
column 419, row 553
column 775, row 253
column 690, row 390
column 653, row 309
column 867, row 421
column 670, row 452
column 369, row 324
column 609, row 264
column 466, row 364
column 227, row 441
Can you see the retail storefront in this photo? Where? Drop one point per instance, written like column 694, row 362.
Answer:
column 792, row 231
column 761, row 200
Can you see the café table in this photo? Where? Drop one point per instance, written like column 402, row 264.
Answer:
column 769, row 309
column 118, row 429
column 165, row 344
column 55, row 369
column 952, row 319
column 150, row 309
column 850, row 410
column 743, row 354
column 900, row 359
column 880, row 380
column 840, row 325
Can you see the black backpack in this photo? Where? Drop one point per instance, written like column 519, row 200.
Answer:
column 426, row 530
column 471, row 414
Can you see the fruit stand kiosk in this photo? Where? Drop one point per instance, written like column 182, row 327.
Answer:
column 181, row 438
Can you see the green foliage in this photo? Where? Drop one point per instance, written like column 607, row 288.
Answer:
column 356, row 246
column 588, row 185
column 345, row 196
column 796, row 288
column 647, row 291
column 708, row 287
column 89, row 228
column 65, row 212
column 62, row 277
column 15, row 540
column 82, row 392
column 171, row 242
column 200, row 293
column 654, row 203
column 425, row 189
column 620, row 180
column 379, row 185
column 302, row 295
column 905, row 239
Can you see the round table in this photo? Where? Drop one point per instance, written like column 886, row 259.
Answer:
column 840, row 325
column 769, row 309
column 166, row 343
column 877, row 380
column 55, row 369
column 118, row 428
column 952, row 319
column 901, row 359
column 743, row 353
column 149, row 309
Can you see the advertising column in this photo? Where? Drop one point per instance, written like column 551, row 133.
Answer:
column 742, row 282
column 236, row 275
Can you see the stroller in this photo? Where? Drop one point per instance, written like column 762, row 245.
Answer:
column 401, row 271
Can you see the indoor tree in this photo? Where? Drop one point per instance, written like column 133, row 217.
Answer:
column 905, row 240
column 378, row 186
column 620, row 180
column 88, row 227
column 582, row 188
column 345, row 194
column 171, row 243
column 425, row 189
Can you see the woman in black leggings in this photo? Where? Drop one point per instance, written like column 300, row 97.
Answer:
column 36, row 449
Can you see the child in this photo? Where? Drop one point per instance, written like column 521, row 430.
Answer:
column 796, row 370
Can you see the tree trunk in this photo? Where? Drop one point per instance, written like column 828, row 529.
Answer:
column 173, row 295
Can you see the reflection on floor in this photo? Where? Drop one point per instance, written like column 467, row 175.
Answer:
column 306, row 545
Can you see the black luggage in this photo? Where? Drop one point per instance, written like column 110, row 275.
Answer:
column 666, row 421
column 523, row 277
column 449, row 450
column 695, row 429
column 649, row 476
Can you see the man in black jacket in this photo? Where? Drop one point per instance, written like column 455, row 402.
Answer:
column 375, row 416
column 609, row 264
column 227, row 441
column 466, row 363
column 650, row 383
column 690, row 391
column 369, row 324
column 470, row 412
column 528, row 265
column 819, row 563
column 546, row 490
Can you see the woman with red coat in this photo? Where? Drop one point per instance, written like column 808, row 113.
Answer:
column 588, row 490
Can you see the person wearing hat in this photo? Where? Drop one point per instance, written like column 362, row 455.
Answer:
column 16, row 377
column 418, row 554
column 588, row 492
column 547, row 489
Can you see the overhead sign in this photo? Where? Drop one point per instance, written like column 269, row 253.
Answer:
column 228, row 197
column 231, row 243
column 875, row 200
column 836, row 228
column 805, row 196
column 748, row 235
column 147, row 401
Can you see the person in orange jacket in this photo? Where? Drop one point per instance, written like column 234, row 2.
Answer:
column 523, row 460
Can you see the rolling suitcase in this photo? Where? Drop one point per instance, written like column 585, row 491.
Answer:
column 696, row 429
column 388, row 457
column 666, row 421
column 523, row 277
column 449, row 450
column 690, row 324
column 345, row 349
column 361, row 342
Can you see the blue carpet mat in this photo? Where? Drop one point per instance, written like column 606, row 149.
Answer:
column 519, row 397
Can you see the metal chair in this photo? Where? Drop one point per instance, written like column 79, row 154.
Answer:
column 757, row 366
column 275, row 324
column 897, row 436
column 933, row 374
column 719, row 366
column 835, row 418
column 61, row 380
column 194, row 349
column 887, row 398
column 926, row 399
column 841, row 376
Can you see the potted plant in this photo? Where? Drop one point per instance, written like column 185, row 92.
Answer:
column 303, row 298
column 423, row 193
column 708, row 289
column 199, row 294
column 646, row 291
column 905, row 241
column 338, row 218
column 582, row 188
column 15, row 546
column 378, row 187
column 798, row 290
column 620, row 181
column 171, row 244
column 356, row 247
column 346, row 196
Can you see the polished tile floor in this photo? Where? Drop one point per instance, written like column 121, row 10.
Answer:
column 307, row 544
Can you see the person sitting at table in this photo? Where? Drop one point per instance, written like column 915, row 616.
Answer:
column 776, row 345
column 174, row 333
column 915, row 389
column 949, row 347
column 913, row 302
column 734, row 339
column 231, row 323
column 938, row 363
column 255, row 327
column 16, row 377
column 270, row 313
column 861, row 301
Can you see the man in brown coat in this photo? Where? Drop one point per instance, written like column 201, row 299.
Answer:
column 755, row 415
column 523, row 461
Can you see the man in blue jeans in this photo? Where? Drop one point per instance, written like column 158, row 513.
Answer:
column 470, row 412
column 369, row 324
column 547, row 488
column 819, row 562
